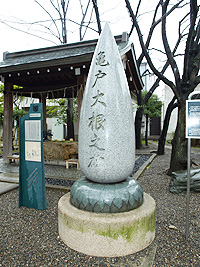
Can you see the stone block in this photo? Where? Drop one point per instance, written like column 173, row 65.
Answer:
column 60, row 150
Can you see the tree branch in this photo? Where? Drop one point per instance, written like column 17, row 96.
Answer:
column 66, row 6
column 138, row 6
column 63, row 20
column 38, row 23
column 155, row 85
column 83, row 18
column 136, row 14
column 198, row 33
column 28, row 33
column 180, row 23
column 154, row 24
column 83, row 25
column 87, row 26
column 197, row 80
column 169, row 54
column 190, row 39
column 97, row 15
column 156, row 72
column 57, row 9
column 59, row 37
column 195, row 66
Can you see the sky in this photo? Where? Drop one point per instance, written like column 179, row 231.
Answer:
column 23, row 14
column 19, row 14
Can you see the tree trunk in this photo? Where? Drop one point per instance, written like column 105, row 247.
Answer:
column 138, row 125
column 138, row 121
column 70, row 125
column 146, row 132
column 179, row 143
column 162, row 138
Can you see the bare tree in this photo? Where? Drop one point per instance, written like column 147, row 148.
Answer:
column 61, row 7
column 60, row 24
column 184, row 84
column 155, row 22
column 57, row 24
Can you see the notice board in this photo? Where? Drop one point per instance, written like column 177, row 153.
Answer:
column 193, row 119
column 32, row 191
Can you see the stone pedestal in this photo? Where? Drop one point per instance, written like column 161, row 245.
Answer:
column 106, row 235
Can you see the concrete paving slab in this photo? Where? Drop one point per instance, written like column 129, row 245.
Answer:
column 9, row 174
column 9, row 177
column 6, row 187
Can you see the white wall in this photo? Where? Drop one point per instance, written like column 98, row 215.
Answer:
column 57, row 130
column 148, row 80
column 197, row 88
column 148, row 77
column 167, row 97
column 27, row 101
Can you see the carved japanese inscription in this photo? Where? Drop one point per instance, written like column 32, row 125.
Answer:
column 106, row 128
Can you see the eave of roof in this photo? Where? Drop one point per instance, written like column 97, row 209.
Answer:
column 51, row 56
column 62, row 56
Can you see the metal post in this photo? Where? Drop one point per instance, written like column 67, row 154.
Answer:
column 188, row 173
column 188, row 188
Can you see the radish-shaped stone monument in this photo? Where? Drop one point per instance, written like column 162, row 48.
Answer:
column 106, row 213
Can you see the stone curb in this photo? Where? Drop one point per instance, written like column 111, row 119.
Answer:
column 144, row 166
column 9, row 180
column 15, row 184
column 58, row 187
column 61, row 178
column 15, row 180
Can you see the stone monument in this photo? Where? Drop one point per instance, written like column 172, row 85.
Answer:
column 106, row 213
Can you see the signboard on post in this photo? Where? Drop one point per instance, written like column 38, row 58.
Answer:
column 193, row 119
column 32, row 191
column 192, row 131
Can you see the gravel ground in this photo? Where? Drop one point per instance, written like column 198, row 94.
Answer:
column 29, row 237
column 172, row 247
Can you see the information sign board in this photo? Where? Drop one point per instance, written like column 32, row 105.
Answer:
column 33, row 130
column 193, row 119
column 32, row 192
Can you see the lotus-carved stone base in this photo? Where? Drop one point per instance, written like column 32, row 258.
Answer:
column 106, row 235
column 106, row 198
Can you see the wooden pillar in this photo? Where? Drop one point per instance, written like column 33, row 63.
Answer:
column 8, row 121
column 43, row 101
column 81, row 80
